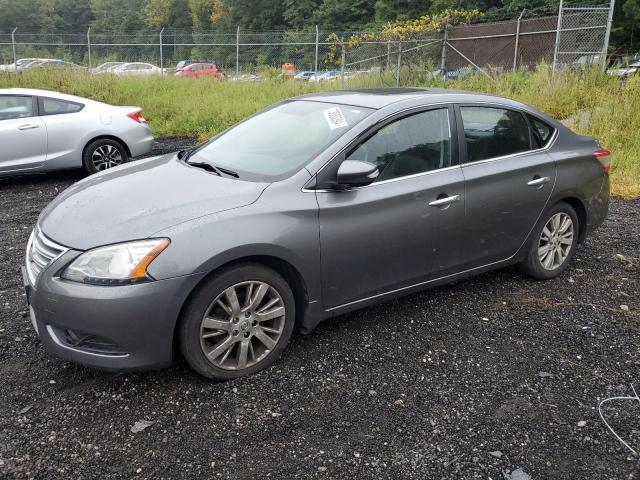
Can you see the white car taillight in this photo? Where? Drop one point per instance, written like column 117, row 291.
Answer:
column 136, row 117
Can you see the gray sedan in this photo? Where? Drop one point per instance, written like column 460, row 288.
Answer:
column 42, row 131
column 317, row 206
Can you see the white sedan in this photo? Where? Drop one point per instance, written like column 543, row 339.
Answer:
column 42, row 131
column 625, row 71
column 137, row 68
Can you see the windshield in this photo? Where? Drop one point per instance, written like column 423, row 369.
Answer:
column 280, row 140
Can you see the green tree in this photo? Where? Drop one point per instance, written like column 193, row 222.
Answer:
column 343, row 15
column 118, row 16
column 24, row 14
column 298, row 13
column 400, row 10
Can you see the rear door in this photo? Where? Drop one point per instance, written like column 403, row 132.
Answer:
column 402, row 229
column 23, row 136
column 509, row 178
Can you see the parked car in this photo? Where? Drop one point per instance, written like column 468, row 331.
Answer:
column 245, row 77
column 136, row 68
column 53, row 64
column 304, row 76
column 22, row 63
column 42, row 131
column 587, row 61
column 324, row 76
column 625, row 70
column 185, row 63
column 317, row 206
column 196, row 70
column 106, row 67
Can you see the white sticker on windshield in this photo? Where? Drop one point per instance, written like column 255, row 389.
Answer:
column 335, row 118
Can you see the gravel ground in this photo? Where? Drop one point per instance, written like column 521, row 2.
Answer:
column 493, row 377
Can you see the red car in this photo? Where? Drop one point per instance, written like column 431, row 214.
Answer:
column 196, row 70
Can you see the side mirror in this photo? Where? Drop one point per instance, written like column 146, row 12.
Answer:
column 356, row 173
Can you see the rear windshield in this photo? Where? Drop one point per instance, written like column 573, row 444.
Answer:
column 281, row 140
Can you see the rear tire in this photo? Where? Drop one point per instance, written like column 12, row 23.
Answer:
column 103, row 154
column 553, row 243
column 237, row 322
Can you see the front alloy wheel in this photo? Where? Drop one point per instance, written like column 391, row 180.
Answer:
column 242, row 325
column 237, row 322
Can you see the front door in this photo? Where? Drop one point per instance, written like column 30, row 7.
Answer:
column 23, row 135
column 402, row 229
column 508, row 181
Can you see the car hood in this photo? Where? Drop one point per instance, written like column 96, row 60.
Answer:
column 137, row 200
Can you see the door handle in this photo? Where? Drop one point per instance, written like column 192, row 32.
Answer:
column 28, row 126
column 536, row 182
column 440, row 202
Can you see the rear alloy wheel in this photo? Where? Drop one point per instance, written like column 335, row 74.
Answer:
column 553, row 245
column 556, row 241
column 103, row 154
column 237, row 322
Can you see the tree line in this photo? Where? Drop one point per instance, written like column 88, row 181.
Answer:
column 203, row 16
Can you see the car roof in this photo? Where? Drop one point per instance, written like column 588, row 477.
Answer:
column 378, row 98
column 44, row 93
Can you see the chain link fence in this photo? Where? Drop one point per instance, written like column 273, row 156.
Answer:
column 576, row 36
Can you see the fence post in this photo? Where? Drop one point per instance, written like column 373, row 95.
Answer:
column 399, row 64
column 13, row 44
column 317, row 44
column 515, row 50
column 89, row 46
column 557, row 45
column 605, row 47
column 161, row 56
column 238, row 52
column 388, row 54
column 443, row 57
column 343, row 60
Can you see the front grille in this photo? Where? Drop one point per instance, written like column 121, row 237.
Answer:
column 41, row 251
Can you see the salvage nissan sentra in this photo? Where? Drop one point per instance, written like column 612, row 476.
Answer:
column 317, row 206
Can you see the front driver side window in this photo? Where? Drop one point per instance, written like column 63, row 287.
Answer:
column 414, row 144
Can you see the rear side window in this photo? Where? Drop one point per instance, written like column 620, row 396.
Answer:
column 414, row 144
column 51, row 106
column 13, row 106
column 494, row 132
column 542, row 132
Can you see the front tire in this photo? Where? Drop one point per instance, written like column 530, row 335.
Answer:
column 103, row 154
column 237, row 322
column 553, row 244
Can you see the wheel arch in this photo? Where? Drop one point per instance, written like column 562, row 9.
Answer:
column 288, row 271
column 106, row 137
column 581, row 212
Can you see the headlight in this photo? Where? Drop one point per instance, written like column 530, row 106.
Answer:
column 118, row 264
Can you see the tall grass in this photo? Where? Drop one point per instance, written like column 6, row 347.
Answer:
column 589, row 103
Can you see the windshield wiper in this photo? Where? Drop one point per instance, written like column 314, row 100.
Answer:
column 185, row 154
column 205, row 166
column 226, row 171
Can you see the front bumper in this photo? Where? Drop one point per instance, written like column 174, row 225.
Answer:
column 116, row 328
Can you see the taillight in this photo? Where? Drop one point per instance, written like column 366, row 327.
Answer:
column 136, row 117
column 604, row 157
